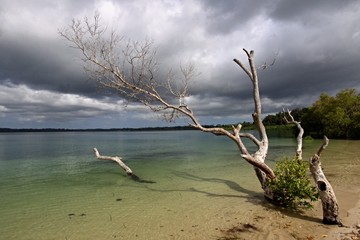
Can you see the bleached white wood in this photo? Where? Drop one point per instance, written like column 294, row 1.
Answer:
column 116, row 159
column 327, row 195
column 299, row 136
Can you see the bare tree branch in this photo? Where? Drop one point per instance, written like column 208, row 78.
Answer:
column 264, row 66
column 263, row 143
column 323, row 146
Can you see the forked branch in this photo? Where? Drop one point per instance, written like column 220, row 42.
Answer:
column 258, row 158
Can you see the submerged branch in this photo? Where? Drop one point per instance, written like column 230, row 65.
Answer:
column 116, row 159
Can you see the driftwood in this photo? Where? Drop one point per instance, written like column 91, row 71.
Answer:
column 122, row 165
column 116, row 159
column 326, row 192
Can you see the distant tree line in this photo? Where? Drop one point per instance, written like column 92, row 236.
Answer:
column 96, row 129
column 336, row 117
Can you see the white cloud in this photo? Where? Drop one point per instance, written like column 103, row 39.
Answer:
column 41, row 105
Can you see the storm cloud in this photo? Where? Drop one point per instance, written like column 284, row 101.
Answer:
column 316, row 45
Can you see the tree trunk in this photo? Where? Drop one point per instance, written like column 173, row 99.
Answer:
column 326, row 192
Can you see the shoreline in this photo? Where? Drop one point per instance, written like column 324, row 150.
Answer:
column 271, row 222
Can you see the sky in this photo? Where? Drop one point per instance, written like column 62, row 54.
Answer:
column 316, row 45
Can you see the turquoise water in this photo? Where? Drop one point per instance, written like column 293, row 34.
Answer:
column 53, row 187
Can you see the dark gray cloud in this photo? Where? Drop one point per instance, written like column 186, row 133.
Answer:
column 307, row 9
column 42, row 66
column 316, row 42
column 234, row 15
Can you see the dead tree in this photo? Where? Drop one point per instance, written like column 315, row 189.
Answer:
column 300, row 134
column 130, row 69
column 327, row 195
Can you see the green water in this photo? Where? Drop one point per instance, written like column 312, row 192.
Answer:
column 52, row 186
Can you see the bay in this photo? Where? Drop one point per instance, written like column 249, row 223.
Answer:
column 53, row 187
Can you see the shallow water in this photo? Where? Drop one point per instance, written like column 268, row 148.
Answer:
column 53, row 187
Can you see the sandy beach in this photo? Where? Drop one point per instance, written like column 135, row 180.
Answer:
column 270, row 222
column 351, row 222
column 273, row 223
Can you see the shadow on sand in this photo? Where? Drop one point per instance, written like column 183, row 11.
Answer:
column 253, row 197
column 250, row 196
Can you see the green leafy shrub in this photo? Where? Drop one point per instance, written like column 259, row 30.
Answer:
column 308, row 138
column 292, row 187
